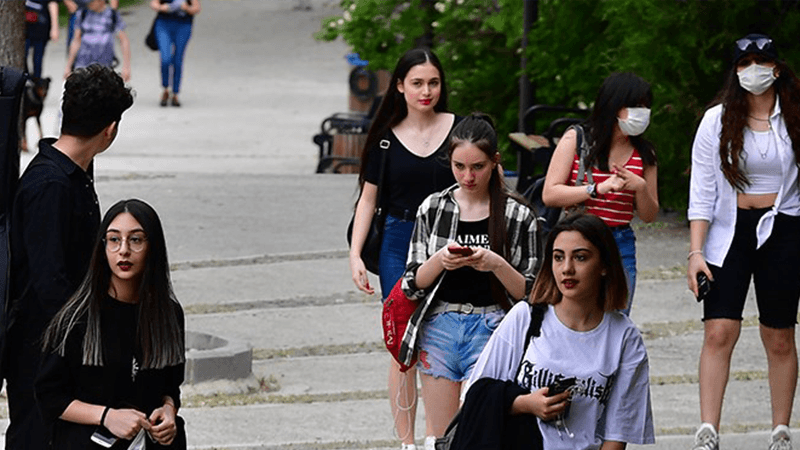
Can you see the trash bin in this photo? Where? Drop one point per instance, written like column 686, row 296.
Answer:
column 366, row 87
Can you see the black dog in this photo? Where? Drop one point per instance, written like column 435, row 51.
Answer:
column 32, row 104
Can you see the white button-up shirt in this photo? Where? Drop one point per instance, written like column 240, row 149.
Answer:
column 713, row 198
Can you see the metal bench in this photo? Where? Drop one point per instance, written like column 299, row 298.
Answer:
column 341, row 139
column 535, row 149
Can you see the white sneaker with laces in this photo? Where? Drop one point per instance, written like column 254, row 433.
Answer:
column 408, row 447
column 706, row 438
column 430, row 443
column 781, row 438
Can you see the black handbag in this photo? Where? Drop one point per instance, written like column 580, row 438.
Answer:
column 150, row 40
column 371, row 251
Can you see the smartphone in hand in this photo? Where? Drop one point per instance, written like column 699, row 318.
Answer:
column 703, row 286
column 457, row 250
column 560, row 386
column 103, row 437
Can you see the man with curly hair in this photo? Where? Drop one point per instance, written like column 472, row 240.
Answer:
column 54, row 220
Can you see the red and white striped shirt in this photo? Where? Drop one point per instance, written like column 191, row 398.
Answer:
column 615, row 208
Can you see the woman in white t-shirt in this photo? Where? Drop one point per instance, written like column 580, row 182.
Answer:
column 582, row 338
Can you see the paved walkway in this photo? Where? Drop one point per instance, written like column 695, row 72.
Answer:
column 257, row 241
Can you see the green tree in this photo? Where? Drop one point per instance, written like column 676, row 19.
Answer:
column 682, row 47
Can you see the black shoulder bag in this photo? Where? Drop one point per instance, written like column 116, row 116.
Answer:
column 12, row 84
column 371, row 251
column 550, row 215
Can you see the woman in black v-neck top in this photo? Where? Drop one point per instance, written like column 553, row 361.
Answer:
column 411, row 127
column 115, row 353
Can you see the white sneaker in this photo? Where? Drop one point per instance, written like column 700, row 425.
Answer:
column 706, row 438
column 408, row 447
column 781, row 438
column 430, row 443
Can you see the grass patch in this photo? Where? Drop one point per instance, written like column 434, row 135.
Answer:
column 663, row 273
column 742, row 375
column 335, row 445
column 319, row 350
column 652, row 225
column 656, row 330
column 261, row 397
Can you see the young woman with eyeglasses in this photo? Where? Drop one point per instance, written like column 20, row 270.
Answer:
column 622, row 163
column 744, row 213
column 115, row 353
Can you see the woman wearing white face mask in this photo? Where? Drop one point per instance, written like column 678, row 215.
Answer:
column 623, row 165
column 744, row 213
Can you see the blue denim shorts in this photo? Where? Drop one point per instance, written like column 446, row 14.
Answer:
column 451, row 342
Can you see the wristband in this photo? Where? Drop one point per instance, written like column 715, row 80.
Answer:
column 693, row 252
column 103, row 417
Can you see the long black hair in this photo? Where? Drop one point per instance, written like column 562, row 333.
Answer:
column 160, row 333
column 735, row 110
column 393, row 108
column 478, row 129
column 619, row 90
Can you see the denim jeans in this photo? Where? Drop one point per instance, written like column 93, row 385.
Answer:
column 394, row 252
column 71, row 29
column 173, row 37
column 38, row 55
column 626, row 242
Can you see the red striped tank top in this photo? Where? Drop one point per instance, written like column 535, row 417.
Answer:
column 615, row 208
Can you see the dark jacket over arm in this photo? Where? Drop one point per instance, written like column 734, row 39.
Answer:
column 487, row 424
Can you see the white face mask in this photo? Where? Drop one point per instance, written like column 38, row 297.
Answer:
column 637, row 121
column 756, row 78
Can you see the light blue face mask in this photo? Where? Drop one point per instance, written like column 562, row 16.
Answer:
column 637, row 121
column 756, row 78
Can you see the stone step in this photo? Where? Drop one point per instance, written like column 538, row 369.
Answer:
column 368, row 422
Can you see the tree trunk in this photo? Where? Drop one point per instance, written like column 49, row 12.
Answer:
column 12, row 33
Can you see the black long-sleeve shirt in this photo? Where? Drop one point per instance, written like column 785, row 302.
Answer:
column 120, row 383
column 54, row 223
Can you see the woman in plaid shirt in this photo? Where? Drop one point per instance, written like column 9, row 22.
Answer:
column 473, row 249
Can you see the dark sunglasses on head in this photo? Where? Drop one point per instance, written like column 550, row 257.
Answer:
column 761, row 43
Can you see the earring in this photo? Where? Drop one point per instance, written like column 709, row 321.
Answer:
column 603, row 273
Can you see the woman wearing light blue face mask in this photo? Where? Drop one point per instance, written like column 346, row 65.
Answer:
column 623, row 165
column 744, row 215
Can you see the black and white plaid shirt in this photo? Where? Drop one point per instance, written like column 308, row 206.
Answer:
column 436, row 227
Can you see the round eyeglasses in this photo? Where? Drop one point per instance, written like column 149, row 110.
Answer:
column 135, row 242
